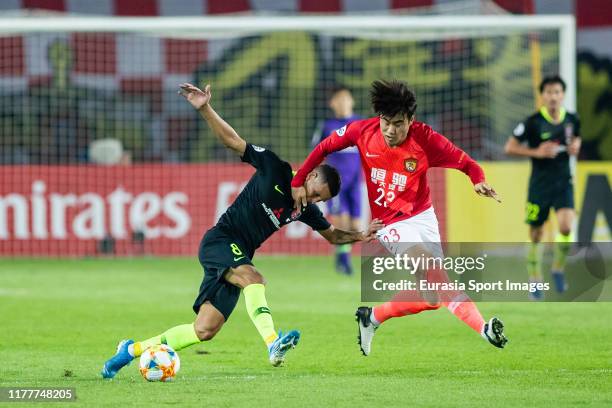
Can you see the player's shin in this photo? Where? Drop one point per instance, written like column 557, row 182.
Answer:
column 457, row 302
column 403, row 303
column 343, row 259
column 562, row 247
column 257, row 308
column 343, row 249
column 563, row 244
column 177, row 337
column 534, row 262
column 466, row 311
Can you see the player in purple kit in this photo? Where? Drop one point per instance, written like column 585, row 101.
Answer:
column 345, row 208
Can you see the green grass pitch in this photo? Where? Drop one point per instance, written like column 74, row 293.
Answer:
column 60, row 319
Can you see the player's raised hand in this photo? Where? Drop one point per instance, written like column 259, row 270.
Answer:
column 197, row 98
column 374, row 226
column 299, row 198
column 486, row 190
column 547, row 150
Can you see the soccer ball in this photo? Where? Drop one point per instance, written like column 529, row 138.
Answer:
column 159, row 363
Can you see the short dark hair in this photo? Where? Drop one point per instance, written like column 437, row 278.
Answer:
column 331, row 177
column 552, row 79
column 392, row 97
column 334, row 89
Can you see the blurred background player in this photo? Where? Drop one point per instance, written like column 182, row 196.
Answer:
column 345, row 209
column 549, row 137
column 397, row 151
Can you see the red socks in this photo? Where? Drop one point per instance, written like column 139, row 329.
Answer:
column 410, row 302
column 398, row 306
column 466, row 310
column 457, row 302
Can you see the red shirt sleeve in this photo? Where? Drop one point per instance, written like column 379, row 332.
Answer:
column 339, row 139
column 441, row 152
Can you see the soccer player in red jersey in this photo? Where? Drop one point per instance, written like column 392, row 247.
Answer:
column 396, row 152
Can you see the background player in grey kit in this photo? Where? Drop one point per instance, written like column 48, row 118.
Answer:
column 345, row 208
column 549, row 137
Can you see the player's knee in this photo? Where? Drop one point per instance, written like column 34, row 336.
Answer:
column 205, row 334
column 244, row 275
column 250, row 276
column 536, row 234
column 256, row 278
column 206, row 331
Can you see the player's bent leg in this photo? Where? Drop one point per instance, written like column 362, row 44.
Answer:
column 177, row 337
column 253, row 288
column 244, row 275
column 403, row 303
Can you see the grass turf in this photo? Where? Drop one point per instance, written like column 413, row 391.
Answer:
column 61, row 319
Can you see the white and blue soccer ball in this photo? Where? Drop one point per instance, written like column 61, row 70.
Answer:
column 159, row 363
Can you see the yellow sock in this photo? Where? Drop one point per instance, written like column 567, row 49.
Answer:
column 177, row 337
column 257, row 308
column 563, row 243
column 534, row 261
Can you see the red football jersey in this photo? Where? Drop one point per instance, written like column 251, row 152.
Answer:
column 396, row 177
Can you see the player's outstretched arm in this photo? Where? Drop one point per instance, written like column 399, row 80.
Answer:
column 443, row 153
column 200, row 100
column 337, row 236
